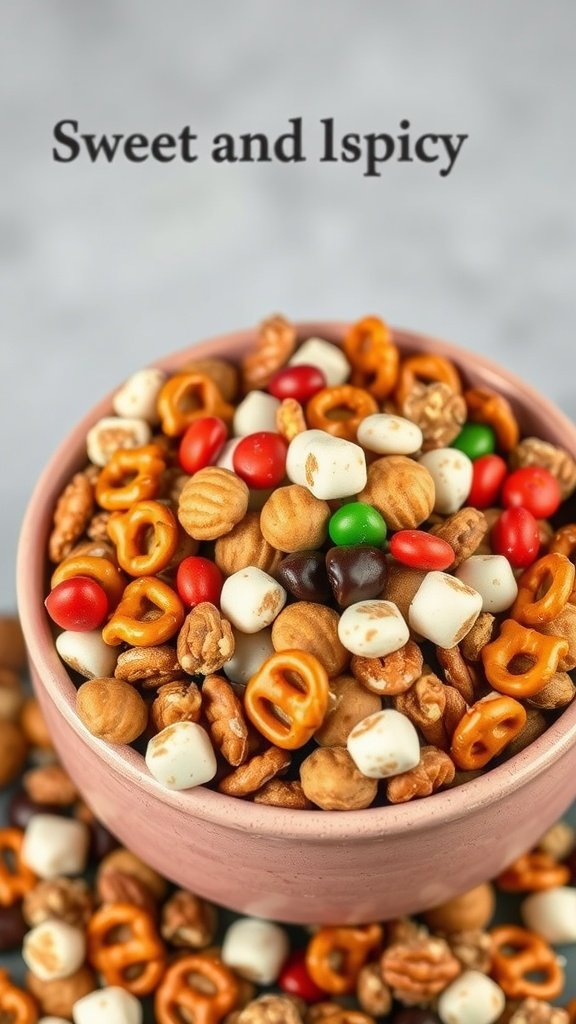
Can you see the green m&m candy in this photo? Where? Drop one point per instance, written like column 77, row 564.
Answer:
column 357, row 523
column 475, row 440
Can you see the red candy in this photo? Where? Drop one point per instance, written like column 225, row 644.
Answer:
column 421, row 550
column 202, row 443
column 295, row 980
column 198, row 579
column 488, row 475
column 516, row 536
column 260, row 459
column 533, row 488
column 78, row 604
column 299, row 382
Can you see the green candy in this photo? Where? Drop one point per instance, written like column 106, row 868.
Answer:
column 475, row 440
column 357, row 523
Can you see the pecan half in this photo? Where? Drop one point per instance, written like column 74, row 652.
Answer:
column 255, row 773
column 64, row 899
column 275, row 344
column 464, row 530
column 187, row 920
column 437, row 410
column 279, row 793
column 436, row 769
column 391, row 675
column 458, row 674
column 149, row 666
column 72, row 514
column 205, row 641
column 120, row 887
column 477, row 638
column 226, row 720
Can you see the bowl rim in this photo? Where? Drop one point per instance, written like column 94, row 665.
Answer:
column 230, row 812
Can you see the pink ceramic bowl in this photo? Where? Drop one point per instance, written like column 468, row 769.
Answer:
column 314, row 866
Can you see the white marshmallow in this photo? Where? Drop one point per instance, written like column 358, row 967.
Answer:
column 389, row 435
column 53, row 1020
column 472, row 999
column 181, row 756
column 55, row 846
column 54, row 950
column 255, row 412
column 492, row 577
column 87, row 653
column 226, row 458
column 296, row 455
column 552, row 914
column 114, row 432
column 255, row 949
column 326, row 357
column 372, row 629
column 444, row 609
column 451, row 471
column 111, row 1005
column 250, row 651
column 138, row 395
column 384, row 744
column 251, row 599
column 330, row 467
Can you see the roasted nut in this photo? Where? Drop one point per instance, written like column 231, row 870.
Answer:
column 471, row 911
column 472, row 949
column 62, row 899
column 558, row 693
column 438, row 410
column 111, row 709
column 424, row 704
column 564, row 626
column 119, row 887
column 205, row 641
column 458, row 674
column 290, row 419
column 245, row 545
column 331, row 780
column 149, row 666
column 34, row 725
column 401, row 489
column 533, row 451
column 559, row 841
column 275, row 344
column 129, row 864
column 333, row 1013
column 372, row 992
column 292, row 519
column 180, row 701
column 212, row 502
column 436, row 769
column 57, row 998
column 310, row 627
column 50, row 784
column 188, row 921
column 464, row 530
column 224, row 375
column 255, row 773
column 278, row 793
column 401, row 586
column 71, row 516
column 392, row 674
column 12, row 648
column 13, row 751
column 534, row 1011
column 97, row 528
column 418, row 971
column 350, row 703
column 11, row 695
column 534, row 727
column 270, row 1010
column 481, row 634
column 225, row 717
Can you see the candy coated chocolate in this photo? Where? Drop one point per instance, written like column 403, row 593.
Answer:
column 12, row 928
column 355, row 573
column 303, row 574
column 21, row 808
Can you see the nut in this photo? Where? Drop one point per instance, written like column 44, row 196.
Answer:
column 114, row 432
column 464, row 530
column 57, row 998
column 564, row 625
column 474, row 950
column 558, row 693
column 34, row 726
column 97, row 529
column 401, row 585
column 424, row 704
column 436, row 769
column 129, row 864
column 437, row 410
column 458, row 674
column 418, row 971
column 12, row 648
column 331, row 780
column 471, row 911
column 150, row 666
column 63, row 899
column 290, row 419
column 119, row 887
column 534, row 727
column 294, row 520
column 350, row 704
column 13, row 752
column 244, row 546
column 180, row 701
column 333, row 1013
column 559, row 841
column 73, row 511
column 226, row 721
column 391, row 675
column 372, row 992
column 255, row 773
column 477, row 638
column 205, row 641
column 401, row 489
column 310, row 627
column 534, row 1011
column 50, row 784
column 278, row 793
column 11, row 694
column 188, row 921
column 212, row 502
column 224, row 375
column 112, row 710
column 532, row 451
column 275, row 344
column 270, row 1010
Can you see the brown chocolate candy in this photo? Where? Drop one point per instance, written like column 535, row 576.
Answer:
column 13, row 927
column 303, row 574
column 356, row 573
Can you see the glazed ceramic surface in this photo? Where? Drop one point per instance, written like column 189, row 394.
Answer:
column 309, row 866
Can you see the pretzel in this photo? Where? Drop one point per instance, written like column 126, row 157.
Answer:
column 16, row 1005
column 349, row 946
column 129, row 623
column 186, row 397
column 373, row 357
column 14, row 884
column 423, row 367
column 198, row 988
column 334, row 1014
column 564, row 543
column 552, row 577
column 131, row 475
column 486, row 728
column 116, row 958
column 529, row 954
column 302, row 705
column 514, row 639
column 534, row 872
column 340, row 410
column 487, row 406
column 137, row 553
column 102, row 570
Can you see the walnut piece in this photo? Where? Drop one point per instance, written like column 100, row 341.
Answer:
column 436, row 769
column 533, row 1011
column 372, row 992
column 71, row 516
column 275, row 344
column 559, row 841
column 188, row 921
column 439, row 411
column 391, row 674
column 532, row 451
column 472, row 949
column 205, row 641
column 63, row 899
column 121, row 887
column 458, row 674
column 418, row 971
column 464, row 530
column 225, row 717
column 424, row 704
column 179, row 701
column 50, row 784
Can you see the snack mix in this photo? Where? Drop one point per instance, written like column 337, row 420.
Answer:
column 106, row 940
column 326, row 577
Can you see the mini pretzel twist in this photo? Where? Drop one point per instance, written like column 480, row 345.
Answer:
column 485, row 729
column 116, row 959
column 302, row 704
column 544, row 651
column 16, row 1005
column 131, row 475
column 96, row 568
column 528, row 954
column 14, row 884
column 129, row 623
column 137, row 553
column 427, row 368
column 184, row 992
column 534, row 872
column 487, row 406
column 340, row 410
column 186, row 397
column 372, row 355
column 544, row 589
column 351, row 946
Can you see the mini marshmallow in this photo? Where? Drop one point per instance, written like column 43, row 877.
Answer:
column 492, row 577
column 384, row 744
column 330, row 467
column 87, row 654
column 372, row 629
column 389, row 435
column 472, row 999
column 552, row 914
column 256, row 412
column 108, row 1006
column 114, row 432
column 255, row 949
column 181, row 756
column 54, row 950
column 53, row 1020
column 444, row 609
column 326, row 357
column 251, row 599
column 138, row 395
column 296, row 455
column 250, row 651
column 55, row 846
column 451, row 471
